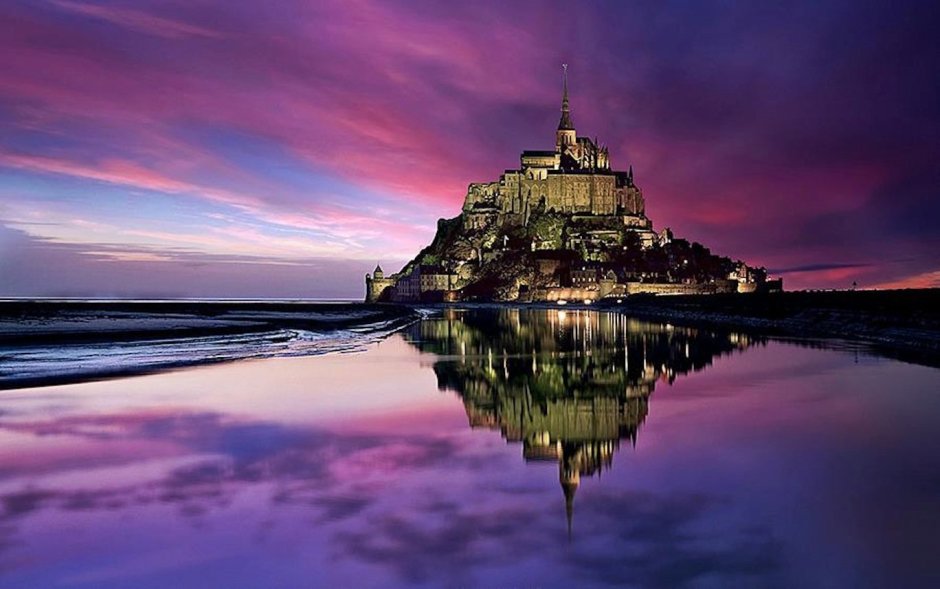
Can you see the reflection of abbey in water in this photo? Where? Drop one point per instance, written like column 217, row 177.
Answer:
column 568, row 385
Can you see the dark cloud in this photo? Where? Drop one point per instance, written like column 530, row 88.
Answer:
column 657, row 544
column 24, row 502
column 816, row 268
column 340, row 507
column 445, row 544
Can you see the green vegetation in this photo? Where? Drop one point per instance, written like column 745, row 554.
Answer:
column 548, row 229
column 501, row 260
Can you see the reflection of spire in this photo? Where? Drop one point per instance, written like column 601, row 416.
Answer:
column 560, row 386
column 569, row 473
column 569, row 489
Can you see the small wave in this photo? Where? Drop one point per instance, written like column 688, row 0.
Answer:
column 44, row 364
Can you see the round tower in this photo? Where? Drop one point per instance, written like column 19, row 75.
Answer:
column 378, row 286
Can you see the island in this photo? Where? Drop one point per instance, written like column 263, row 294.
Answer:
column 563, row 226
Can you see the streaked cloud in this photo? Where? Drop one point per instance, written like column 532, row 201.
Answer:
column 136, row 20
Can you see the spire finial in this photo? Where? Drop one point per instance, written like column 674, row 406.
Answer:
column 564, row 77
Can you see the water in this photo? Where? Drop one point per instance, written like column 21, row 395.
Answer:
column 484, row 448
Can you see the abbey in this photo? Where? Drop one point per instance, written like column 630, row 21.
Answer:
column 563, row 225
column 574, row 178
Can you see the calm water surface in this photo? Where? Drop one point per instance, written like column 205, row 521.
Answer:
column 486, row 448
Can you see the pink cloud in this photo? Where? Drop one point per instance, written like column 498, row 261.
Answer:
column 137, row 20
column 922, row 280
column 122, row 172
column 347, row 126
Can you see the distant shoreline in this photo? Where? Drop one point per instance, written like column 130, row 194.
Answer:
column 903, row 324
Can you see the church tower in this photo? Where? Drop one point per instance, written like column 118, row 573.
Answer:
column 566, row 134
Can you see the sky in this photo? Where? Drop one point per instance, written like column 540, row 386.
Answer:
column 259, row 149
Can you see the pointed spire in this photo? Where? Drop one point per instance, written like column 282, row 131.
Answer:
column 569, row 489
column 630, row 175
column 564, row 76
column 565, row 123
column 569, row 475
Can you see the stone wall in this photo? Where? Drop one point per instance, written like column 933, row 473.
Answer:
column 607, row 289
column 597, row 192
column 568, row 294
column 663, row 288
column 376, row 287
column 582, row 193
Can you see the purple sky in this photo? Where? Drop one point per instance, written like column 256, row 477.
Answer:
column 281, row 149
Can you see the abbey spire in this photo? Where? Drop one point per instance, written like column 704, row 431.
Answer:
column 565, row 135
column 565, row 123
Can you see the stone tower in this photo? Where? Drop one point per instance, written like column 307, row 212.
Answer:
column 377, row 285
column 565, row 135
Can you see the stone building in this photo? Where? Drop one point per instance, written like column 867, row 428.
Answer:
column 574, row 178
column 424, row 282
column 378, row 286
column 584, row 275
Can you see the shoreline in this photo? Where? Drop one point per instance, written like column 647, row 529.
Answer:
column 45, row 343
column 91, row 340
column 64, row 321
